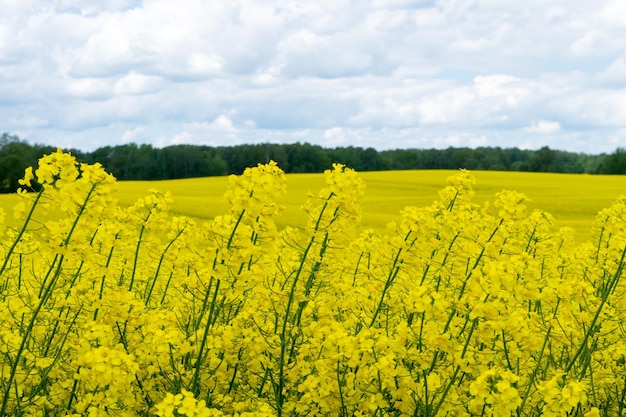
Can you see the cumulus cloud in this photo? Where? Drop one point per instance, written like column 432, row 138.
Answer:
column 132, row 135
column 543, row 127
column 615, row 73
column 398, row 73
column 135, row 83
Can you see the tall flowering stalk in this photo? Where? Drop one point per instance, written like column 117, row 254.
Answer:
column 458, row 309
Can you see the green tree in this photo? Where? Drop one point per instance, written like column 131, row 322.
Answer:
column 615, row 163
column 542, row 160
column 15, row 156
column 304, row 157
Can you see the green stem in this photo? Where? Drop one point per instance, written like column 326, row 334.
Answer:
column 531, row 381
column 344, row 409
column 194, row 386
column 26, row 336
column 47, row 293
column 391, row 277
column 21, row 232
column 143, row 228
column 280, row 384
column 57, row 355
column 444, row 394
column 78, row 216
column 158, row 269
column 132, row 275
column 232, row 234
column 426, row 402
column 167, row 285
column 592, row 326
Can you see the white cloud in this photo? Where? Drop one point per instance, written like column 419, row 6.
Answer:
column 498, row 85
column 615, row 74
column 136, row 83
column 613, row 13
column 339, row 136
column 267, row 76
column 89, row 88
column 383, row 73
column 543, row 127
column 204, row 64
column 220, row 131
column 181, row 139
column 591, row 44
column 223, row 123
column 618, row 139
column 132, row 135
column 28, row 122
column 477, row 141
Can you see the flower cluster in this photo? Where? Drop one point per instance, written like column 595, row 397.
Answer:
column 459, row 309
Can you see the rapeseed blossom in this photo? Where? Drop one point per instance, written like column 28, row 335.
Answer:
column 459, row 309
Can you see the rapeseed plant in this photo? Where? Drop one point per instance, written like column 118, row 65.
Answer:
column 459, row 309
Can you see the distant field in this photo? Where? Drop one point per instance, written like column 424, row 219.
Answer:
column 573, row 199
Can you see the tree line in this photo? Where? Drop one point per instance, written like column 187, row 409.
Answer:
column 145, row 162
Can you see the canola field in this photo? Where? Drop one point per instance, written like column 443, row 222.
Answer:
column 465, row 303
column 574, row 200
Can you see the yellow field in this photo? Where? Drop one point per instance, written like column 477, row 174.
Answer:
column 574, row 200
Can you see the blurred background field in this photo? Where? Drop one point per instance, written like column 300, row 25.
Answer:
column 573, row 199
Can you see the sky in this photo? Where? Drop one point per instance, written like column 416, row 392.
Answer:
column 385, row 74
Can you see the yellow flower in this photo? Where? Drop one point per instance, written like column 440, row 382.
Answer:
column 28, row 177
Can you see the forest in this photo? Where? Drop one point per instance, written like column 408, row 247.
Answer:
column 144, row 162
